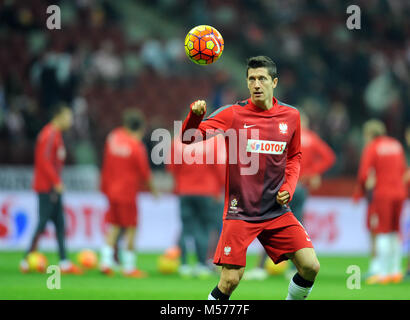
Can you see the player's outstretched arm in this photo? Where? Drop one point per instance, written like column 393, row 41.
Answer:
column 217, row 122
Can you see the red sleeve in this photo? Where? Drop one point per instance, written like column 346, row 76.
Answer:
column 169, row 164
column 219, row 121
column 104, row 170
column 220, row 160
column 325, row 157
column 50, row 146
column 143, row 163
column 366, row 162
column 294, row 156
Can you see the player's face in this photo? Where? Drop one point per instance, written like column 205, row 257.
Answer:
column 66, row 118
column 261, row 84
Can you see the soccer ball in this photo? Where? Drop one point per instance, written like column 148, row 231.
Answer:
column 173, row 252
column 87, row 258
column 167, row 265
column 275, row 269
column 37, row 262
column 204, row 45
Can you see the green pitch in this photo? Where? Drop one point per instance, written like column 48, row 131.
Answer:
column 331, row 283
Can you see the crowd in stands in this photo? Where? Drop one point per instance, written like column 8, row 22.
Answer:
column 100, row 65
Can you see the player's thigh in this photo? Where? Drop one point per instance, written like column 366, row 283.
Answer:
column 45, row 210
column 397, row 209
column 235, row 238
column 57, row 215
column 283, row 236
column 123, row 214
column 204, row 212
column 187, row 211
column 381, row 215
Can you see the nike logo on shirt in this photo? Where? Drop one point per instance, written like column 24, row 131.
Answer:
column 250, row 126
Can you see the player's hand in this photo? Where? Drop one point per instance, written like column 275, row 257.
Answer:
column 283, row 197
column 59, row 188
column 371, row 180
column 315, row 182
column 199, row 107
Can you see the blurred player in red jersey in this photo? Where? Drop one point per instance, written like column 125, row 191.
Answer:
column 317, row 158
column 50, row 154
column 381, row 180
column 199, row 179
column 257, row 193
column 125, row 171
column 407, row 182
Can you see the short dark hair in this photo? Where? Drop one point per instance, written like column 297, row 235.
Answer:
column 133, row 119
column 262, row 62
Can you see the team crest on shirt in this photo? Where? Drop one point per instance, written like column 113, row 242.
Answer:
column 227, row 250
column 283, row 128
column 233, row 208
column 234, row 204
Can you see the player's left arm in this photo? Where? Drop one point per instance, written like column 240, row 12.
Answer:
column 366, row 174
column 325, row 155
column 292, row 169
column 196, row 129
column 142, row 161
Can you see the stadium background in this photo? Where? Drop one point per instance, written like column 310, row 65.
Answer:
column 111, row 55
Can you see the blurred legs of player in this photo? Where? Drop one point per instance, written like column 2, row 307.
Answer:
column 51, row 208
column 215, row 229
column 195, row 218
column 121, row 216
column 384, row 222
column 297, row 205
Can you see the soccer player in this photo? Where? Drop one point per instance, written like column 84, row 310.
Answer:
column 407, row 182
column 198, row 185
column 50, row 154
column 125, row 171
column 381, row 179
column 317, row 158
column 256, row 203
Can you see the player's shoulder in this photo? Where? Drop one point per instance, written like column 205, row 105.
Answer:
column 221, row 111
column 287, row 107
column 47, row 132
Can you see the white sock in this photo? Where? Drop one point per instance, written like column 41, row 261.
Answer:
column 296, row 292
column 211, row 297
column 374, row 266
column 383, row 252
column 65, row 264
column 129, row 260
column 107, row 256
column 396, row 252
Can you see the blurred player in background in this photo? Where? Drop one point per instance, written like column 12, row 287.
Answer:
column 125, row 171
column 317, row 158
column 407, row 182
column 50, row 154
column 381, row 180
column 256, row 202
column 199, row 186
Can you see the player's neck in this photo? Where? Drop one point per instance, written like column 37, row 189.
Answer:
column 56, row 125
column 265, row 104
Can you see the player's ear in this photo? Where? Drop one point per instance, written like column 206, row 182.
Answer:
column 275, row 82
